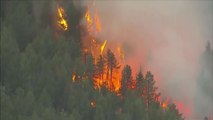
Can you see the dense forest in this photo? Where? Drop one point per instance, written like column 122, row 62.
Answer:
column 37, row 65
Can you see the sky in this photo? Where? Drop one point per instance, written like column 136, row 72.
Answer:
column 165, row 37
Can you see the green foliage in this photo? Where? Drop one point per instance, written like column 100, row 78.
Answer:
column 151, row 94
column 172, row 113
column 10, row 57
column 35, row 117
column 44, row 99
column 18, row 14
column 134, row 106
column 6, row 105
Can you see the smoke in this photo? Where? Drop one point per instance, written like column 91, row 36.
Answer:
column 166, row 37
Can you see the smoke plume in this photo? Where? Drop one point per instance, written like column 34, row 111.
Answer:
column 166, row 37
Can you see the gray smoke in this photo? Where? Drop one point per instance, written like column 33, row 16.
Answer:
column 168, row 38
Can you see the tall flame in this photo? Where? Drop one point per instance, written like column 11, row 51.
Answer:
column 103, row 46
column 62, row 22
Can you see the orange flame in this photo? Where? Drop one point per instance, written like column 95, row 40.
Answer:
column 117, row 82
column 164, row 102
column 103, row 46
column 164, row 105
column 88, row 18
column 73, row 77
column 93, row 25
column 93, row 21
column 62, row 22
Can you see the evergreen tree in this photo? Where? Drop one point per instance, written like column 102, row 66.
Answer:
column 90, row 67
column 140, row 85
column 172, row 113
column 126, row 80
column 100, row 67
column 134, row 106
column 151, row 96
column 112, row 67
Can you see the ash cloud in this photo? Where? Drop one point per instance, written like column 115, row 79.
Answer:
column 168, row 38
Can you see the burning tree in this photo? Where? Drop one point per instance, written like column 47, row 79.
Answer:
column 111, row 67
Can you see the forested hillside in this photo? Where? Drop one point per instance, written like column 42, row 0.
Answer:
column 46, row 75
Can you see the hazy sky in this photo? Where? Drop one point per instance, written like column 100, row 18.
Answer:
column 166, row 37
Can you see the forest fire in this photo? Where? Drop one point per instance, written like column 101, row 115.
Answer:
column 97, row 48
column 62, row 23
column 102, row 79
column 108, row 78
column 106, row 60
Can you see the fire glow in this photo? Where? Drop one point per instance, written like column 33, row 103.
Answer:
column 93, row 25
column 103, row 46
column 88, row 19
column 93, row 22
column 62, row 23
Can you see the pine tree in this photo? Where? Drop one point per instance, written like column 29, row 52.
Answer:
column 151, row 92
column 112, row 66
column 126, row 80
column 100, row 67
column 140, row 83
column 151, row 96
column 90, row 67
